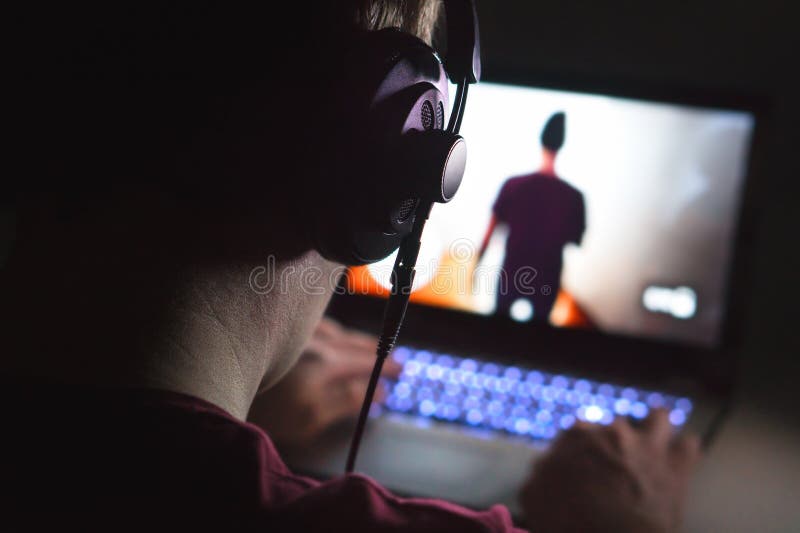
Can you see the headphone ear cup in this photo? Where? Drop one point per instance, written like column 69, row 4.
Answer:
column 368, row 194
column 435, row 160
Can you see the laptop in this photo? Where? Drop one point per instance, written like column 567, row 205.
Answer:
column 586, row 270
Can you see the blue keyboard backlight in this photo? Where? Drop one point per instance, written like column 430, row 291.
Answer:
column 514, row 400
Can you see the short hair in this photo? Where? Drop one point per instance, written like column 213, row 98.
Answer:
column 125, row 88
column 553, row 132
column 417, row 17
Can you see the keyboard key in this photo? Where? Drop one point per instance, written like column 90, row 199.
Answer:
column 684, row 404
column 474, row 417
column 490, row 369
column 622, row 406
column 677, row 417
column 630, row 394
column 401, row 354
column 606, row 390
column 468, row 365
column 535, row 377
column 424, row 357
column 639, row 410
column 544, row 417
column 444, row 361
column 655, row 400
column 514, row 400
column 566, row 421
column 427, row 407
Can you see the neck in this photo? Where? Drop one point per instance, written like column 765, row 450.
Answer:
column 122, row 321
column 548, row 166
column 215, row 340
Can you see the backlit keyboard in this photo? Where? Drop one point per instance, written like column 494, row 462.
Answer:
column 512, row 399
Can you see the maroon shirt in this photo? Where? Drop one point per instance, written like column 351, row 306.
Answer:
column 543, row 213
column 114, row 460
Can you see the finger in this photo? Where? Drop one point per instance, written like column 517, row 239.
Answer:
column 333, row 349
column 346, row 404
column 347, row 368
column 349, row 350
column 334, row 331
column 391, row 368
column 579, row 432
column 686, row 451
column 575, row 442
column 327, row 328
column 657, row 427
column 356, row 390
column 622, row 433
column 380, row 394
column 362, row 368
column 361, row 337
column 357, row 341
column 318, row 349
column 579, row 427
column 336, row 353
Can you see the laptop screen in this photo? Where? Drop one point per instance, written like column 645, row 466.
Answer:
column 587, row 211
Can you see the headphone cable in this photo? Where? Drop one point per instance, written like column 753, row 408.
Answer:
column 402, row 280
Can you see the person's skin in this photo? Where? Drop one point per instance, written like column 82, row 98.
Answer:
column 613, row 478
column 548, row 166
column 326, row 386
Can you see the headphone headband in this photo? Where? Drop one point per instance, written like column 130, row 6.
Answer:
column 463, row 60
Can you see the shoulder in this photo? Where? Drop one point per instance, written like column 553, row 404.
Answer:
column 565, row 186
column 525, row 181
column 511, row 183
column 573, row 191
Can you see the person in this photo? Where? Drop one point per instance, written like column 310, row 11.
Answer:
column 543, row 213
column 166, row 150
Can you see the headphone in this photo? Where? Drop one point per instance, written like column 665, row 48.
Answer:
column 395, row 157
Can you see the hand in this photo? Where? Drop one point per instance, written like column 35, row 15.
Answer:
column 326, row 386
column 612, row 478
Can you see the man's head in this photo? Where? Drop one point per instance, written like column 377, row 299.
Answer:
column 190, row 117
column 552, row 137
column 163, row 141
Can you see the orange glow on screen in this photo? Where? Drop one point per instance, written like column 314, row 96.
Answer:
column 451, row 287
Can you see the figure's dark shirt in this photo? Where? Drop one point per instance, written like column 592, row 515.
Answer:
column 115, row 460
column 543, row 213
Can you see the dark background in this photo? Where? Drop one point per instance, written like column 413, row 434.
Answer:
column 735, row 47
column 749, row 481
